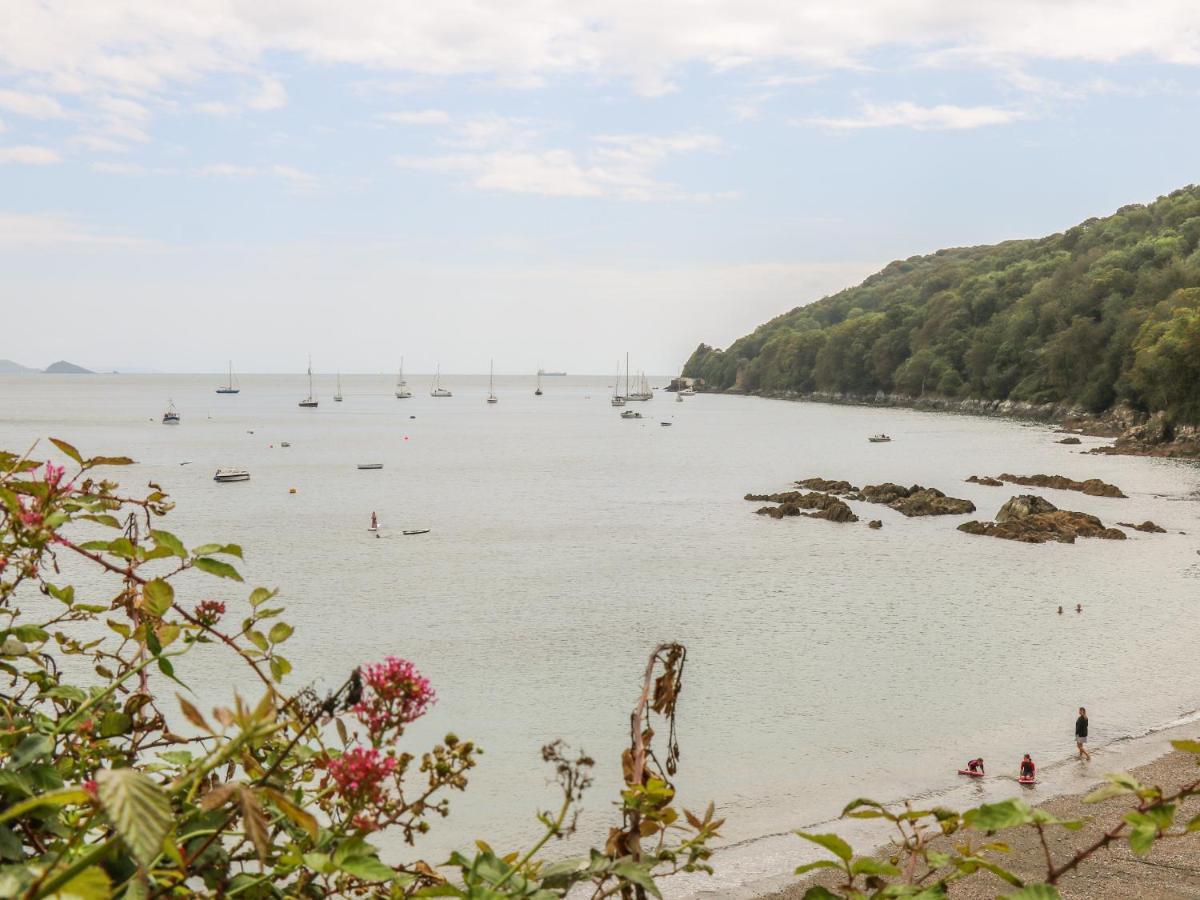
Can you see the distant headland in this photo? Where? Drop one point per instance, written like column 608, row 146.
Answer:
column 62, row 367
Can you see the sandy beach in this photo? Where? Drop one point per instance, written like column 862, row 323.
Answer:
column 1171, row 871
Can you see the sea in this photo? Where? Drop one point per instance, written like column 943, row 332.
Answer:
column 825, row 661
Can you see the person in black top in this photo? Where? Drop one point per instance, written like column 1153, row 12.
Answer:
column 1028, row 769
column 1081, row 729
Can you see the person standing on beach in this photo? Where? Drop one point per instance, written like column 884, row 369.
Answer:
column 1081, row 734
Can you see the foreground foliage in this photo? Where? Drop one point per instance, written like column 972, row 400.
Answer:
column 114, row 782
column 915, row 869
column 1105, row 312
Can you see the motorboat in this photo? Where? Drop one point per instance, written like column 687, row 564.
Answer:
column 171, row 417
column 227, row 475
column 370, row 465
column 631, row 414
column 879, row 439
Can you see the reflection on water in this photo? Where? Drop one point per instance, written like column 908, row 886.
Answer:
column 825, row 661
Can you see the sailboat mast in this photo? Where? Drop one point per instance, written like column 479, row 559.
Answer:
column 310, row 378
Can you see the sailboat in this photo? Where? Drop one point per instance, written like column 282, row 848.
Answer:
column 402, row 391
column 309, row 402
column 171, row 417
column 338, row 396
column 643, row 391
column 537, row 392
column 438, row 390
column 229, row 387
column 617, row 399
column 492, row 398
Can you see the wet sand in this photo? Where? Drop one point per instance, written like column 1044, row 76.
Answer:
column 1171, row 871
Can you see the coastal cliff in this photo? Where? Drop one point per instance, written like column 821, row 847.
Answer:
column 1097, row 328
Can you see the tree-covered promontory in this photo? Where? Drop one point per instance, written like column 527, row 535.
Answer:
column 1103, row 313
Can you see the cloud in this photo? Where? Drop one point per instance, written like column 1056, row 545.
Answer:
column 54, row 229
column 416, row 117
column 145, row 47
column 25, row 154
column 297, row 178
column 271, row 94
column 36, row 106
column 924, row 118
column 620, row 166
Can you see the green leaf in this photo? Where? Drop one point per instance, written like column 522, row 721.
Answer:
column 114, row 723
column 820, row 893
column 819, row 864
column 1034, row 892
column 867, row 865
column 32, row 747
column 830, row 842
column 258, row 639
column 1107, row 792
column 30, row 634
column 637, row 873
column 172, row 543
column 279, row 667
column 440, row 890
column 994, row 816
column 90, row 884
column 1187, row 746
column 67, row 450
column 137, row 808
column 158, row 596
column 368, row 868
column 280, row 632
column 10, row 845
column 64, row 797
column 261, row 595
column 216, row 567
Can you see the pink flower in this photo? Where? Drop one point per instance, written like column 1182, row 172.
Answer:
column 397, row 694
column 90, row 787
column 359, row 774
column 54, row 474
column 31, row 517
column 209, row 612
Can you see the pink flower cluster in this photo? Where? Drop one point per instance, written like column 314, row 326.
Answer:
column 53, row 474
column 359, row 773
column 209, row 612
column 31, row 516
column 398, row 694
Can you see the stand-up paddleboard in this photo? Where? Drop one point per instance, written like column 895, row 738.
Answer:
column 969, row 772
column 1026, row 779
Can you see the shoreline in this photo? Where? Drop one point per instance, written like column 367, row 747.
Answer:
column 1133, row 433
column 760, row 868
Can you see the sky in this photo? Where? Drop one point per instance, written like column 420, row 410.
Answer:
column 542, row 182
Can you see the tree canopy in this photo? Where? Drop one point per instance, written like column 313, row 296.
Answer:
column 1103, row 313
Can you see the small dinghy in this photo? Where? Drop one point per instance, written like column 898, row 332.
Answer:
column 665, row 424
column 416, row 531
column 370, row 465
column 374, row 526
column 879, row 439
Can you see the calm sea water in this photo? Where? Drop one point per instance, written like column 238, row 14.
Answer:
column 826, row 661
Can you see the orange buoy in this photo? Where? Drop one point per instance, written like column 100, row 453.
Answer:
column 291, row 490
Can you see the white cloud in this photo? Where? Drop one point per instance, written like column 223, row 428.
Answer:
column 26, row 154
column 416, row 117
column 271, row 94
column 297, row 178
column 53, row 229
column 141, row 47
column 912, row 115
column 620, row 166
column 36, row 106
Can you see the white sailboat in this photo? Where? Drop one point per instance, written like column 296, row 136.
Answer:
column 438, row 390
column 643, row 391
column 537, row 392
column 309, row 402
column 402, row 391
column 338, row 396
column 492, row 398
column 617, row 398
column 229, row 387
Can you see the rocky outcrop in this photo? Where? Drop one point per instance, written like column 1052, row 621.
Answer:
column 792, row 503
column 1147, row 526
column 1024, row 505
column 875, row 523
column 1069, row 440
column 827, row 486
column 1093, row 487
column 1031, row 519
column 985, row 480
column 915, row 500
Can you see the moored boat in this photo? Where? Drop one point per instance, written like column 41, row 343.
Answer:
column 370, row 465
column 437, row 390
column 226, row 475
column 171, row 417
column 879, row 439
column 230, row 387
column 631, row 414
column 402, row 391
column 309, row 402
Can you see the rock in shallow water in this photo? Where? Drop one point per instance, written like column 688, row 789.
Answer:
column 1034, row 520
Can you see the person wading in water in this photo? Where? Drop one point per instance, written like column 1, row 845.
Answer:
column 1081, row 729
